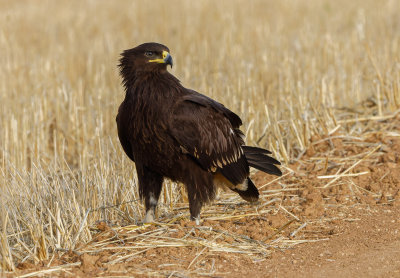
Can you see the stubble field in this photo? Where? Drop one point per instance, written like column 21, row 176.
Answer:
column 315, row 82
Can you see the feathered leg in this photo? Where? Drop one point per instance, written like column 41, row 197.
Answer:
column 150, row 184
column 195, row 205
column 200, row 188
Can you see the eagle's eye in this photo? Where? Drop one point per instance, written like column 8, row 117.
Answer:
column 149, row 53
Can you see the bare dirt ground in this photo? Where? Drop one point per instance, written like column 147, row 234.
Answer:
column 366, row 244
column 334, row 213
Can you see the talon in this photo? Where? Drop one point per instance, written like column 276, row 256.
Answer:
column 149, row 218
column 196, row 220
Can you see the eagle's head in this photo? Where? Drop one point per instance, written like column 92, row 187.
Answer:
column 145, row 57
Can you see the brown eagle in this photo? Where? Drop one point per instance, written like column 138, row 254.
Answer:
column 174, row 132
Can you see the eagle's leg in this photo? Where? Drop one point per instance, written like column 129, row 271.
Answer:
column 195, row 203
column 195, row 208
column 150, row 184
column 199, row 186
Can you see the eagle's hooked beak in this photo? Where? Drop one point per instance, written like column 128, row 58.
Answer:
column 166, row 59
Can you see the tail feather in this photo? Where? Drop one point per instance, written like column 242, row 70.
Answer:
column 250, row 149
column 259, row 159
column 251, row 194
column 267, row 168
column 262, row 158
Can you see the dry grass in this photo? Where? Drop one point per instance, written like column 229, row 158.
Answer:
column 289, row 69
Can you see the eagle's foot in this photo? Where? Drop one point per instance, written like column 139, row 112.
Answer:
column 196, row 219
column 150, row 215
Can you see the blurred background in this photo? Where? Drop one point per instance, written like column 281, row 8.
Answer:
column 289, row 69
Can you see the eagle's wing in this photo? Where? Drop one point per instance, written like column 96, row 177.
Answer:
column 200, row 99
column 208, row 131
column 123, row 132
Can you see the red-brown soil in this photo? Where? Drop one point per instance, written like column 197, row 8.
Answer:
column 306, row 224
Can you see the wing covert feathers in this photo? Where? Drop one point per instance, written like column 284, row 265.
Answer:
column 204, row 131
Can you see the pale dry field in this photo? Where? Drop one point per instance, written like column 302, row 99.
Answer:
column 290, row 69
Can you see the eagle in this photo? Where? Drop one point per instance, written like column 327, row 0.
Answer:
column 173, row 132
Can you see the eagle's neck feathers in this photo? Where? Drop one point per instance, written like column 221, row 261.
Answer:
column 152, row 80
